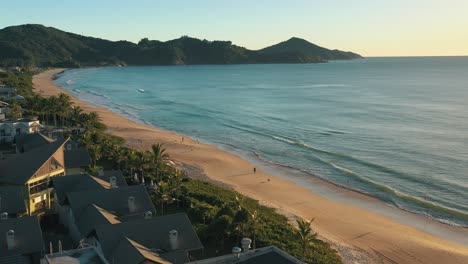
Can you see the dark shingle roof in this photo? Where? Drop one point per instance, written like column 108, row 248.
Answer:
column 94, row 216
column 28, row 236
column 112, row 200
column 28, row 142
column 74, row 183
column 20, row 168
column 270, row 257
column 11, row 200
column 131, row 252
column 77, row 158
column 121, row 182
column 151, row 233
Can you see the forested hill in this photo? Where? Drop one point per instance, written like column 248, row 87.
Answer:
column 37, row 45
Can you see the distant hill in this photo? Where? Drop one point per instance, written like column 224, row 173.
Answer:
column 40, row 46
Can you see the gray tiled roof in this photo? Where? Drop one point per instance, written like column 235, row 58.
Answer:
column 113, row 200
column 11, row 200
column 131, row 252
column 151, row 233
column 28, row 142
column 121, row 182
column 94, row 216
column 265, row 255
column 77, row 158
column 74, row 183
column 28, row 236
column 20, row 168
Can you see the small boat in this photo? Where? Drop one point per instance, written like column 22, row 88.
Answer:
column 141, row 90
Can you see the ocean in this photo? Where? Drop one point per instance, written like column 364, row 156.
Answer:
column 393, row 128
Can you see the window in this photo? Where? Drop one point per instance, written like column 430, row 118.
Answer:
column 40, row 205
column 38, row 186
column 18, row 131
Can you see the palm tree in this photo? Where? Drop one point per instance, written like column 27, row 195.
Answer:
column 53, row 107
column 163, row 194
column 159, row 157
column 64, row 106
column 305, row 234
column 118, row 155
column 255, row 223
column 75, row 115
column 95, row 152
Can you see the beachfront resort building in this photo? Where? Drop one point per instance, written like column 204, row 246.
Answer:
column 21, row 240
column 33, row 171
column 9, row 128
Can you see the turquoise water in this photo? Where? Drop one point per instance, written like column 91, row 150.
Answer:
column 393, row 128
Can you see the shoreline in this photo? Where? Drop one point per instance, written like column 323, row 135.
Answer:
column 360, row 235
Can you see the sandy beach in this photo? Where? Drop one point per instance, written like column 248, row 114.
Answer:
column 361, row 236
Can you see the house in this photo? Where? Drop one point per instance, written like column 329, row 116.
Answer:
column 21, row 240
column 7, row 92
column 33, row 171
column 27, row 142
column 84, row 255
column 77, row 158
column 9, row 128
column 164, row 239
column 88, row 209
column 4, row 108
column 76, row 183
column 265, row 255
column 11, row 201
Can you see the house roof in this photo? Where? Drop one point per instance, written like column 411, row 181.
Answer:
column 121, row 182
column 27, row 142
column 113, row 200
column 20, row 168
column 76, row 158
column 265, row 255
column 94, row 216
column 131, row 252
column 151, row 233
column 74, row 183
column 28, row 237
column 11, row 200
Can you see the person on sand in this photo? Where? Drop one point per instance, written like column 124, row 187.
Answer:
column 255, row 170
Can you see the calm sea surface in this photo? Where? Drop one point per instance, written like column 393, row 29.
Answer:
column 393, row 128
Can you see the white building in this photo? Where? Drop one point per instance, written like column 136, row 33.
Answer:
column 11, row 127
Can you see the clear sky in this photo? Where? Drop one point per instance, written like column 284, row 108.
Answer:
column 368, row 27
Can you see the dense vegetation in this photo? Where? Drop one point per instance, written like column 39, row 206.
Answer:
column 220, row 216
column 36, row 45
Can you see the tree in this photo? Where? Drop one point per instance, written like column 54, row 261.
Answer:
column 75, row 116
column 15, row 111
column 95, row 152
column 64, row 105
column 159, row 157
column 305, row 234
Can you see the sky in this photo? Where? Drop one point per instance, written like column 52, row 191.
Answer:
column 368, row 27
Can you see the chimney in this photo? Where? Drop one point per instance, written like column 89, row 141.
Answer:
column 113, row 182
column 4, row 216
column 131, row 204
column 101, row 172
column 174, row 239
column 245, row 244
column 148, row 215
column 10, row 237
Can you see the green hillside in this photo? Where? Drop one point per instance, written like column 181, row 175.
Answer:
column 37, row 45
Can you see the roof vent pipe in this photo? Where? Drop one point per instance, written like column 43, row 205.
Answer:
column 236, row 252
column 113, row 182
column 10, row 239
column 4, row 216
column 174, row 239
column 148, row 215
column 245, row 244
column 131, row 204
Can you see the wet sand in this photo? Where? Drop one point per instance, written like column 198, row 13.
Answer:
column 361, row 236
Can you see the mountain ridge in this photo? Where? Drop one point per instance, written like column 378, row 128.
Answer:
column 34, row 45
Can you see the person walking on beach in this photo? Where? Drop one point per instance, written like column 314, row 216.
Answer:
column 255, row 170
